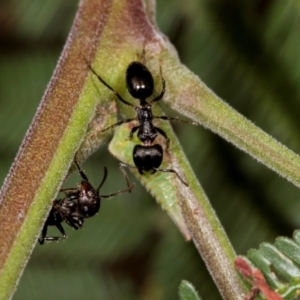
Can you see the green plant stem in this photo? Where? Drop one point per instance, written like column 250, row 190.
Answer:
column 197, row 214
column 200, row 104
column 48, row 148
column 75, row 109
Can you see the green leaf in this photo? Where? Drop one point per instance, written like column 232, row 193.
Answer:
column 187, row 291
column 279, row 265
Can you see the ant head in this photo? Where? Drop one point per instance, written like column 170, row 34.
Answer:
column 88, row 202
column 147, row 158
column 139, row 81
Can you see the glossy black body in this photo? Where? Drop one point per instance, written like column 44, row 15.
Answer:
column 140, row 85
column 147, row 158
column 139, row 81
column 62, row 210
column 79, row 204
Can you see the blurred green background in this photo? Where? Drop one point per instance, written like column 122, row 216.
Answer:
column 248, row 53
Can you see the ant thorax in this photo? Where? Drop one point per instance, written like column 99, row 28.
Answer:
column 79, row 203
column 140, row 85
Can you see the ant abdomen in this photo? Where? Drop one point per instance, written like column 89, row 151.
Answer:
column 140, row 85
column 139, row 81
column 147, row 158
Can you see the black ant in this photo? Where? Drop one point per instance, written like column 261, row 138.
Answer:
column 79, row 204
column 140, row 84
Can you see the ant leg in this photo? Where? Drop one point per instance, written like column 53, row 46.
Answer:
column 119, row 192
column 130, row 186
column 172, row 171
column 82, row 174
column 119, row 123
column 124, row 165
column 166, row 118
column 122, row 168
column 78, row 224
column 54, row 238
column 109, row 87
column 43, row 234
column 163, row 82
column 164, row 135
column 133, row 130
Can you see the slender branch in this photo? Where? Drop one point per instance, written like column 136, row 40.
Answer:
column 48, row 147
column 189, row 208
column 199, row 103
column 74, row 110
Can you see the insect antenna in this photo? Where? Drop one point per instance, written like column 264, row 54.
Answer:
column 103, row 180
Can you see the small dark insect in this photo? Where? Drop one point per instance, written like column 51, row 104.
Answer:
column 79, row 204
column 140, row 84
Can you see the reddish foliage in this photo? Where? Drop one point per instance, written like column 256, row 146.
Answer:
column 257, row 279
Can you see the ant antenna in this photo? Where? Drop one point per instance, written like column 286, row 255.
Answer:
column 103, row 180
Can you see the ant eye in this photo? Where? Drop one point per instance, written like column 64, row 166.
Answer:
column 139, row 81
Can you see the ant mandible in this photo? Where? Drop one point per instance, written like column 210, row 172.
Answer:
column 140, row 84
column 79, row 204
